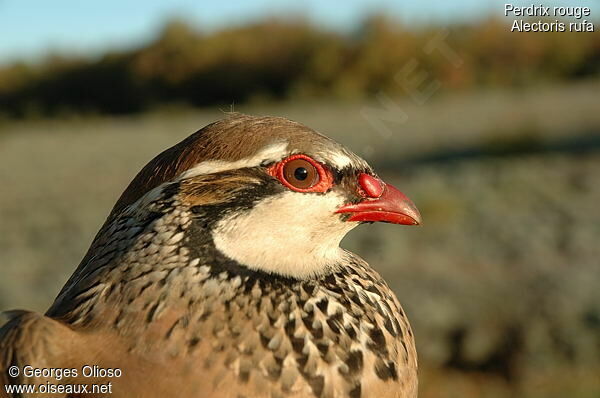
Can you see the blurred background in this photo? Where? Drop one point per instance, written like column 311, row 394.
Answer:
column 494, row 135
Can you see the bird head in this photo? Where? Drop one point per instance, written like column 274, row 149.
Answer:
column 268, row 193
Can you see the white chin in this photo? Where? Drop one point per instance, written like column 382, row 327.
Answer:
column 289, row 234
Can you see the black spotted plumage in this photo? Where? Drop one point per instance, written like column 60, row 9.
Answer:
column 156, row 292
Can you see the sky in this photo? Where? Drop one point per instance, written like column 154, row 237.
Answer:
column 31, row 29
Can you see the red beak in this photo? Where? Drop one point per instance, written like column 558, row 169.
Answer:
column 382, row 202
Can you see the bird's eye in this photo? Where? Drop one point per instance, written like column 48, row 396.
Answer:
column 300, row 173
column 303, row 174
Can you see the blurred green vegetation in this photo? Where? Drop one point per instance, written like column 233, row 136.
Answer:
column 501, row 283
column 282, row 59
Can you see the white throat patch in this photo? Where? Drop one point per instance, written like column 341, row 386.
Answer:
column 290, row 234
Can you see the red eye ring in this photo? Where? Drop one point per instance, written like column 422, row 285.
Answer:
column 324, row 178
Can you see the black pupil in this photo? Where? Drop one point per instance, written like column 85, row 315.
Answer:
column 300, row 174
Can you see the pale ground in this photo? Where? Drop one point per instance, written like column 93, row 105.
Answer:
column 507, row 257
